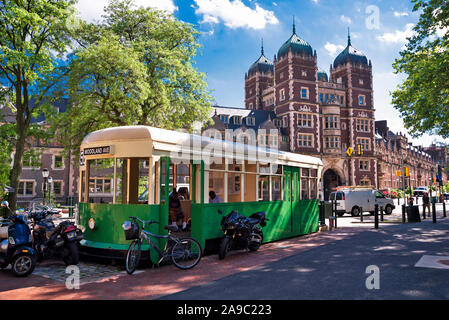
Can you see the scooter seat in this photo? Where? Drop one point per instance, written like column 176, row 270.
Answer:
column 253, row 221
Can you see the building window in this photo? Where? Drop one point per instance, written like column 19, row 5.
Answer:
column 58, row 162
column 361, row 82
column 363, row 125
column 365, row 143
column 362, row 101
column 305, row 141
column 57, row 188
column 26, row 188
column 364, row 165
column 282, row 95
column 250, row 121
column 365, row 182
column 285, row 122
column 278, row 123
column 100, row 185
column 321, row 98
column 304, row 93
column 304, row 73
column 305, row 120
column 251, row 105
column 331, row 122
column 343, row 125
column 332, row 142
column 225, row 119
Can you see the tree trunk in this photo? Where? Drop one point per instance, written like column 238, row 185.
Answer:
column 16, row 169
column 22, row 122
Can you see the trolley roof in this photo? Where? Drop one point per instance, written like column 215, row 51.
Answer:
column 145, row 141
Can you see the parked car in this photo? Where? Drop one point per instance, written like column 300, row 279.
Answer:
column 420, row 191
column 354, row 200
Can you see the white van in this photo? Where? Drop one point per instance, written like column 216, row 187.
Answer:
column 353, row 200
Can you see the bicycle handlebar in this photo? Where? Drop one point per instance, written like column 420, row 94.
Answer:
column 145, row 221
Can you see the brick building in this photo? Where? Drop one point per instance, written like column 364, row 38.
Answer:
column 395, row 152
column 322, row 115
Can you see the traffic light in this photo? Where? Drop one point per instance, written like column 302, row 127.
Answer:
column 360, row 149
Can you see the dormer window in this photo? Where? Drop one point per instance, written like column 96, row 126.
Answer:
column 224, row 118
column 250, row 121
column 278, row 123
column 237, row 120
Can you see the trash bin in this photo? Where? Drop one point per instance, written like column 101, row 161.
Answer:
column 413, row 214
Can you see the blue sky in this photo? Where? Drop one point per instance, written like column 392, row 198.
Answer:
column 231, row 33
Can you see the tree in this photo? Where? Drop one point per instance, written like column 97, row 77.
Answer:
column 32, row 34
column 135, row 68
column 423, row 99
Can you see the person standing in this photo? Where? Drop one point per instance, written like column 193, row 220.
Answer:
column 426, row 203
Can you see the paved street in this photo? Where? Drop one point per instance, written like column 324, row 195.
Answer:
column 337, row 270
column 328, row 265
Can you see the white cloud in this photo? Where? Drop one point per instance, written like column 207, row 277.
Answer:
column 345, row 20
column 400, row 14
column 397, row 36
column 234, row 14
column 93, row 9
column 333, row 49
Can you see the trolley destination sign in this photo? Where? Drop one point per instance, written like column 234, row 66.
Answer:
column 97, row 151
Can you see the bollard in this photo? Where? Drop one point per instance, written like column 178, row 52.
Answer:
column 403, row 213
column 444, row 209
column 335, row 214
column 424, row 211
column 322, row 214
column 434, row 213
column 399, row 201
column 376, row 216
column 382, row 214
column 361, row 214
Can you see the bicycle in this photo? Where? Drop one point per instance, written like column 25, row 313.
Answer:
column 185, row 253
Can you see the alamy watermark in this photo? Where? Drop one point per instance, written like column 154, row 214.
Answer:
column 73, row 280
column 373, row 280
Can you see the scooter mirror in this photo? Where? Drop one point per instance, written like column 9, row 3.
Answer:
column 5, row 204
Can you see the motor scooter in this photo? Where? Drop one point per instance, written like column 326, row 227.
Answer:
column 241, row 232
column 17, row 247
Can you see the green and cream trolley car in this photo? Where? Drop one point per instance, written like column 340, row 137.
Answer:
column 130, row 171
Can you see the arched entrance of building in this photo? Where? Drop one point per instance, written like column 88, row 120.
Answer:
column 331, row 180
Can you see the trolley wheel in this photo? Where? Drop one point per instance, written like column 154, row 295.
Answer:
column 133, row 256
column 186, row 253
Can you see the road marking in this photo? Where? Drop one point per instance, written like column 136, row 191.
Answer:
column 434, row 262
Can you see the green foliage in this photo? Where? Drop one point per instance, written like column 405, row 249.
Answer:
column 135, row 68
column 423, row 98
column 33, row 35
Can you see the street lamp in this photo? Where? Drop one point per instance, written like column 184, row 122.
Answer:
column 45, row 174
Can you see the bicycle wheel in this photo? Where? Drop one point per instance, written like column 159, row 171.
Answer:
column 133, row 256
column 186, row 253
